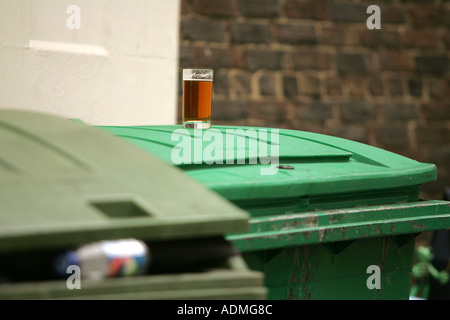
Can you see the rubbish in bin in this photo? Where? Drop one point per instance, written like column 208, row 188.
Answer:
column 106, row 259
column 131, row 257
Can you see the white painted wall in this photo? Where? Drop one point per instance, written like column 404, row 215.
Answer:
column 119, row 68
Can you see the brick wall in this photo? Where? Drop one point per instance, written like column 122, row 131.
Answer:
column 314, row 65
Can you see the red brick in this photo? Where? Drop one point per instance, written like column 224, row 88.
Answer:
column 264, row 59
column 267, row 84
column 436, row 110
column 259, row 8
column 440, row 155
column 436, row 63
column 435, row 135
column 187, row 54
column 217, row 57
column 420, row 38
column 415, row 86
column 306, row 9
column 186, row 7
column 380, row 38
column 309, row 59
column 352, row 63
column 271, row 111
column 392, row 137
column 221, row 84
column 357, row 111
column 312, row 86
column 428, row 14
column 375, row 86
column 340, row 11
column 219, row 8
column 395, row 87
column 446, row 14
column 296, row 34
column 392, row 13
column 400, row 111
column 334, row 86
column 204, row 30
column 251, row 32
column 290, row 86
column 228, row 109
column 355, row 86
column 439, row 89
column 241, row 82
column 355, row 132
column 339, row 35
column 314, row 111
column 395, row 61
column 446, row 38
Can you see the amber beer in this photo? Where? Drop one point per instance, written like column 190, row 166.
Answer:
column 197, row 98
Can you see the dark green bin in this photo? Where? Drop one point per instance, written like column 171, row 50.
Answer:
column 64, row 184
column 335, row 218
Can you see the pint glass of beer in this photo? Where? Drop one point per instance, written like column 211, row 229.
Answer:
column 197, row 98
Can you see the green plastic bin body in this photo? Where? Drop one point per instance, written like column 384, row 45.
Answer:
column 337, row 220
column 64, row 184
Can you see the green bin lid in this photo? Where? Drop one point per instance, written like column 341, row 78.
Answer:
column 63, row 183
column 333, row 190
column 318, row 164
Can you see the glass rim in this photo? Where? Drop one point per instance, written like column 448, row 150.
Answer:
column 198, row 74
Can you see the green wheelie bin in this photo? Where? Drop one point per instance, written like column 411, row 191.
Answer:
column 64, row 184
column 330, row 218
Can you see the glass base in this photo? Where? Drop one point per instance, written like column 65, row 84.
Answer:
column 197, row 124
